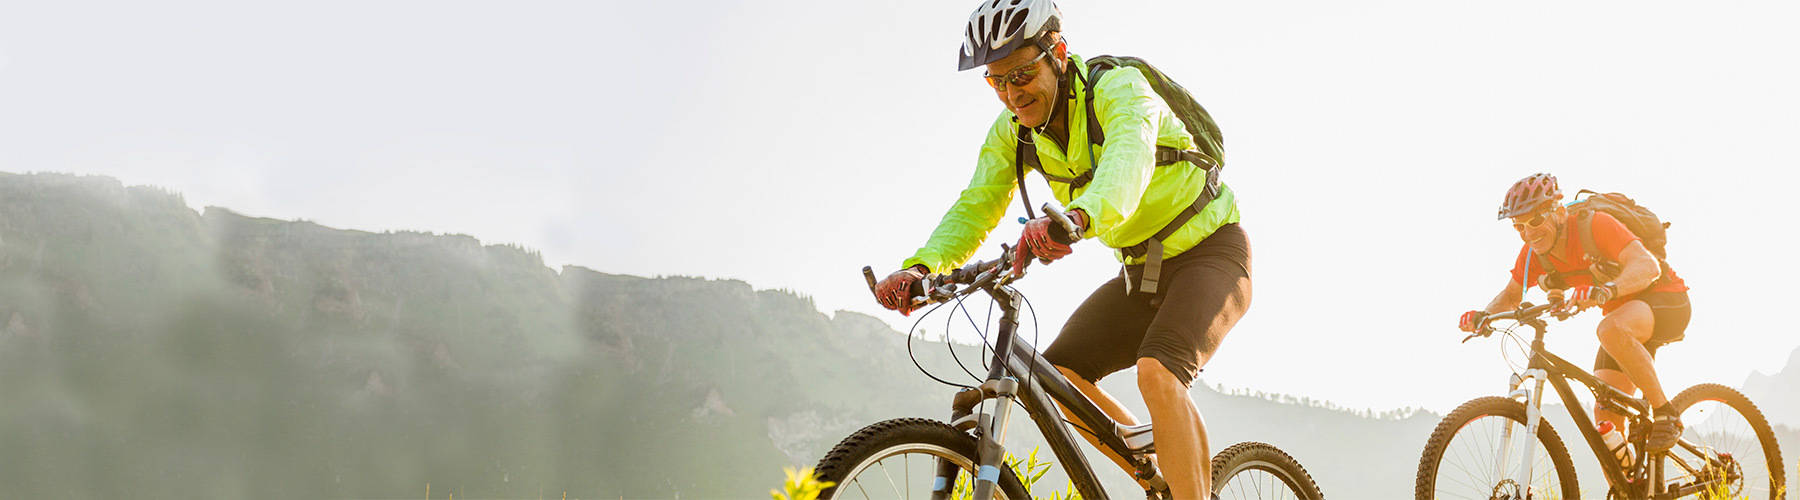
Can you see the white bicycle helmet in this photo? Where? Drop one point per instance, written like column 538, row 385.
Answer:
column 998, row 27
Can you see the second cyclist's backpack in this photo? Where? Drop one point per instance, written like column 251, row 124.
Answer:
column 1643, row 223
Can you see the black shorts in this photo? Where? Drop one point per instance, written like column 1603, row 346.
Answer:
column 1204, row 292
column 1671, row 312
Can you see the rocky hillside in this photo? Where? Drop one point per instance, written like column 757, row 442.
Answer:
column 151, row 351
column 1778, row 394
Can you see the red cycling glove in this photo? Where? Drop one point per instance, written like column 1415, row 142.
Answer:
column 1584, row 296
column 1471, row 321
column 895, row 291
column 1044, row 239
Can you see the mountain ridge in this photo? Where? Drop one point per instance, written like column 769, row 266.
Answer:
column 152, row 350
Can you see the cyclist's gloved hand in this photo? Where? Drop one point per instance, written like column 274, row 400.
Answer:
column 1585, row 296
column 1043, row 238
column 895, row 291
column 1471, row 321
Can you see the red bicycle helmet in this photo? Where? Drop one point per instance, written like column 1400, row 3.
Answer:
column 1528, row 194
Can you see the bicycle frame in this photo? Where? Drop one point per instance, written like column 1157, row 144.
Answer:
column 1018, row 373
column 1646, row 480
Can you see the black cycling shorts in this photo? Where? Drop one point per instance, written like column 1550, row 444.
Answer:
column 1671, row 312
column 1204, row 291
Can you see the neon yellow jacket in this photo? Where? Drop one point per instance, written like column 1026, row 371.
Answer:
column 1129, row 199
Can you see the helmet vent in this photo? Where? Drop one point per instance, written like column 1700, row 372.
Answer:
column 1018, row 21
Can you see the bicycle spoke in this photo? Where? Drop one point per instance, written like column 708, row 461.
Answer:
column 1256, row 484
column 1716, row 429
column 890, row 478
column 1469, row 467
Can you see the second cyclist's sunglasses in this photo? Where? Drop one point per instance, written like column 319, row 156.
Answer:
column 1536, row 220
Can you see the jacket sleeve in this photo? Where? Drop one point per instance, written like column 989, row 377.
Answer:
column 980, row 207
column 1130, row 115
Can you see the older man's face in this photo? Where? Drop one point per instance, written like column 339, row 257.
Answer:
column 1027, row 85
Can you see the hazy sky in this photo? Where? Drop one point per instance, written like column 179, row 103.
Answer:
column 789, row 143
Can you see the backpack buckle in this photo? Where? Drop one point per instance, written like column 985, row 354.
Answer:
column 1212, row 182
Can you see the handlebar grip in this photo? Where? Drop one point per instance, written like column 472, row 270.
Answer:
column 1061, row 219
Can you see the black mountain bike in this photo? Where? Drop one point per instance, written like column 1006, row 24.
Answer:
column 1482, row 449
column 922, row 458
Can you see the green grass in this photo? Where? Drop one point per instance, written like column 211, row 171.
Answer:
column 805, row 485
column 801, row 485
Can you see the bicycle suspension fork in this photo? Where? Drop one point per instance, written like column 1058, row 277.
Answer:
column 1534, row 400
column 990, row 430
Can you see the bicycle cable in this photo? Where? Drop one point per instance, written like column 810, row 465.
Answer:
column 1036, row 337
column 1515, row 341
column 915, row 358
column 948, row 345
column 1035, row 332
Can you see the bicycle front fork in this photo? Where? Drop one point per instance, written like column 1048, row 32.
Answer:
column 1534, row 400
column 991, row 430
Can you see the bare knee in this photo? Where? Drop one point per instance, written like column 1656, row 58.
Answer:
column 1154, row 377
column 1631, row 323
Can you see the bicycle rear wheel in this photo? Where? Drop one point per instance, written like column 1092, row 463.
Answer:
column 898, row 459
column 1254, row 470
column 1461, row 459
column 1737, row 456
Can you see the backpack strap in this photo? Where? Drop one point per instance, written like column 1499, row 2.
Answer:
column 1026, row 149
column 1151, row 249
column 1604, row 269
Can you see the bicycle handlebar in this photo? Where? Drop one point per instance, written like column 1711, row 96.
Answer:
column 942, row 287
column 1525, row 312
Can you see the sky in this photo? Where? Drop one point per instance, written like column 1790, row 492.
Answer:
column 790, row 143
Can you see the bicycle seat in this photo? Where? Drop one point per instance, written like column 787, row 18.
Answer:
column 1137, row 437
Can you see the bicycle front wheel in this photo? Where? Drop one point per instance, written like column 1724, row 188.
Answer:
column 1463, row 458
column 1260, row 471
column 1735, row 454
column 898, row 459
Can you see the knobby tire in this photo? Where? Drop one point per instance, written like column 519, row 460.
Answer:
column 1456, row 423
column 910, row 435
column 1247, row 457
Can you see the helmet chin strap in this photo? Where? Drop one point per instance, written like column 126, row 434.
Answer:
column 1064, row 90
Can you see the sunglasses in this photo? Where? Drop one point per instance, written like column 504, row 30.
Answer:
column 1018, row 77
column 1535, row 221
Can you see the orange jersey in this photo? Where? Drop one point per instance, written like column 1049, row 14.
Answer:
column 1611, row 237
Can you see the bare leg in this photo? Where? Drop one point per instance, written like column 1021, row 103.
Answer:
column 1617, row 380
column 1112, row 408
column 1180, row 434
column 1622, row 334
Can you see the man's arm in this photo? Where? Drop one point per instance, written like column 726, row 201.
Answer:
column 1508, row 299
column 1129, row 113
column 1638, row 269
column 980, row 206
